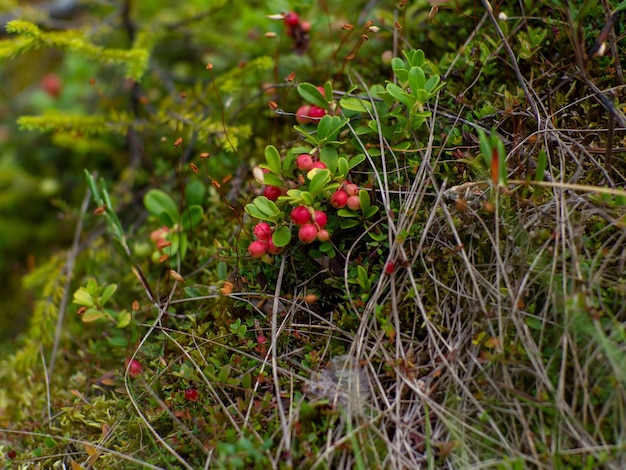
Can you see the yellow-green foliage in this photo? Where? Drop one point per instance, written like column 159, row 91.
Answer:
column 237, row 78
column 31, row 37
column 48, row 284
column 89, row 125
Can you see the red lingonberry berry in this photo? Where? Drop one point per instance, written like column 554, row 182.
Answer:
column 302, row 115
column 258, row 248
column 272, row 249
column 272, row 192
column 307, row 233
column 351, row 189
column 262, row 231
column 134, row 367
column 12, row 454
column 323, row 235
column 339, row 199
column 354, row 203
column 191, row 394
column 300, row 215
column 320, row 218
column 304, row 162
column 51, row 84
column 316, row 112
column 319, row 164
column 390, row 267
column 291, row 19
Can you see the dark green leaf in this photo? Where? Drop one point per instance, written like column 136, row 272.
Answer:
column 311, row 94
column 161, row 205
column 195, row 191
column 192, row 216
column 328, row 156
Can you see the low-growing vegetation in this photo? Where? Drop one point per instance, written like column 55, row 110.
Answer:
column 314, row 235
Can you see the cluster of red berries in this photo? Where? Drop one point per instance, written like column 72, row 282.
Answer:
column 298, row 30
column 348, row 195
column 263, row 243
column 311, row 114
column 311, row 223
column 293, row 23
column 304, row 162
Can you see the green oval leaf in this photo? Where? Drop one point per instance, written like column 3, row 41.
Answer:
column 123, row 319
column 84, row 298
column 342, row 167
column 272, row 179
column 195, row 192
column 92, row 315
column 273, row 159
column 311, row 94
column 192, row 217
column 282, row 236
column 417, row 79
column 357, row 159
column 107, row 293
column 364, row 199
column 355, row 104
column 346, row 213
column 319, row 181
column 329, row 156
column 161, row 205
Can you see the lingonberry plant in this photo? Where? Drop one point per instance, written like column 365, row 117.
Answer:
column 302, row 186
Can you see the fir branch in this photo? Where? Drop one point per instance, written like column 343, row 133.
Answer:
column 135, row 60
column 87, row 125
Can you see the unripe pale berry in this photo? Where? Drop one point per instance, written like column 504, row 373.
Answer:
column 300, row 215
column 262, row 231
column 323, row 235
column 339, row 199
column 272, row 192
column 257, row 248
column 307, row 233
column 302, row 115
column 320, row 219
column 351, row 189
column 354, row 203
column 304, row 162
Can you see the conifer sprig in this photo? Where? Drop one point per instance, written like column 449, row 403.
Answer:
column 30, row 36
